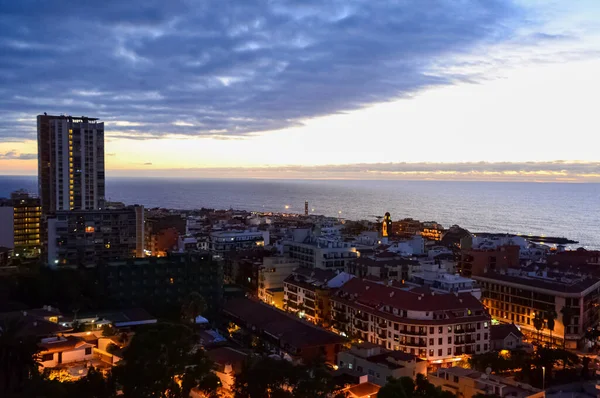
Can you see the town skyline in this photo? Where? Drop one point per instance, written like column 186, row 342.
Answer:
column 259, row 89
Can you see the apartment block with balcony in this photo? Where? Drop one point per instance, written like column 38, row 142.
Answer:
column 307, row 292
column 518, row 296
column 479, row 261
column 87, row 237
column 322, row 253
column 20, row 220
column 440, row 328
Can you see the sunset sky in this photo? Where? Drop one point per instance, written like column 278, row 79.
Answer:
column 457, row 89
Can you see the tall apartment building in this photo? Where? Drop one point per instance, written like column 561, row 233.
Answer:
column 440, row 328
column 313, row 251
column 20, row 224
column 87, row 237
column 271, row 275
column 518, row 297
column 70, row 163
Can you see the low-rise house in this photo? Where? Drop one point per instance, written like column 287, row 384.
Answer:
column 283, row 333
column 467, row 383
column 379, row 364
column 228, row 363
column 55, row 351
column 506, row 337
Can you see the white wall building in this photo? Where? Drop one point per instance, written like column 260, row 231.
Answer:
column 224, row 241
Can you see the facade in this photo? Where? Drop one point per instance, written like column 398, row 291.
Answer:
column 518, row 298
column 438, row 327
column 221, row 242
column 442, row 282
column 380, row 364
column 432, row 230
column 87, row 237
column 20, row 218
column 55, row 351
column 282, row 333
column 157, row 282
column 70, row 163
column 478, row 261
column 271, row 275
column 307, row 292
column 468, row 383
column 322, row 253
column 392, row 267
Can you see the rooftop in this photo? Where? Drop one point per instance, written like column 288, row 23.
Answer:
column 552, row 285
column 500, row 332
column 284, row 327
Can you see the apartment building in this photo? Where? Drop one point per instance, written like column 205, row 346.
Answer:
column 440, row 328
column 87, row 237
column 70, row 163
column 518, row 297
column 478, row 261
column 221, row 242
column 320, row 252
column 272, row 273
column 384, row 266
column 307, row 292
column 20, row 224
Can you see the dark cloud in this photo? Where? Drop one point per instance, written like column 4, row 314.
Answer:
column 15, row 155
column 231, row 67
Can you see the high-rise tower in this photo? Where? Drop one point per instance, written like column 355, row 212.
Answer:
column 70, row 163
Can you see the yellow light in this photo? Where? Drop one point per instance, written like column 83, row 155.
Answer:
column 287, row 206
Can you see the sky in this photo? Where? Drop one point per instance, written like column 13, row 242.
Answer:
column 398, row 89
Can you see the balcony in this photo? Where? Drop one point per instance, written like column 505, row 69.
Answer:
column 414, row 333
column 382, row 325
column 459, row 331
column 418, row 343
column 382, row 335
column 362, row 316
column 362, row 326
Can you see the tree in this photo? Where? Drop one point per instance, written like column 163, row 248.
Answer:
column 194, row 306
column 314, row 381
column 167, row 354
column 538, row 323
column 18, row 358
column 550, row 323
column 567, row 315
column 394, row 388
column 406, row 388
column 265, row 377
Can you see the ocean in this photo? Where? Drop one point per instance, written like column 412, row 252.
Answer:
column 551, row 209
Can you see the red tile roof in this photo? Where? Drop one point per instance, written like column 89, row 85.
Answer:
column 375, row 294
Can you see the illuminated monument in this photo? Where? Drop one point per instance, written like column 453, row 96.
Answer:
column 387, row 225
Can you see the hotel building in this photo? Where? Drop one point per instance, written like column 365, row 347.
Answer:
column 20, row 224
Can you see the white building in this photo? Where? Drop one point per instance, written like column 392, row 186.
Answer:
column 224, row 241
column 440, row 328
column 55, row 351
column 408, row 247
column 443, row 282
column 322, row 253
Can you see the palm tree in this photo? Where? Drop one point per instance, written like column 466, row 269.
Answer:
column 18, row 357
column 567, row 314
column 538, row 323
column 194, row 306
column 550, row 318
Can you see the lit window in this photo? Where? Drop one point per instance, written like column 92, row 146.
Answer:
column 89, row 229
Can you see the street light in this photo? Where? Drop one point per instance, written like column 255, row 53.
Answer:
column 543, row 378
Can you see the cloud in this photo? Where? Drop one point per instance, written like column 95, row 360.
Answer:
column 552, row 171
column 193, row 68
column 15, row 155
column 148, row 164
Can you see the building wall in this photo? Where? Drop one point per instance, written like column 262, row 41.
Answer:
column 272, row 273
column 476, row 262
column 378, row 373
column 75, row 355
column 7, row 237
column 314, row 256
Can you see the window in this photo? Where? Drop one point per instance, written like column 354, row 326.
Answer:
column 430, row 353
column 455, row 379
column 478, row 348
column 449, row 329
column 440, row 341
column 449, row 351
column 350, row 366
column 485, row 347
column 485, row 336
column 47, row 357
column 485, row 325
column 341, row 364
column 449, row 339
column 371, row 373
column 440, row 352
column 440, row 330
column 478, row 325
column 431, row 330
column 478, row 336
column 88, row 351
column 360, row 369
